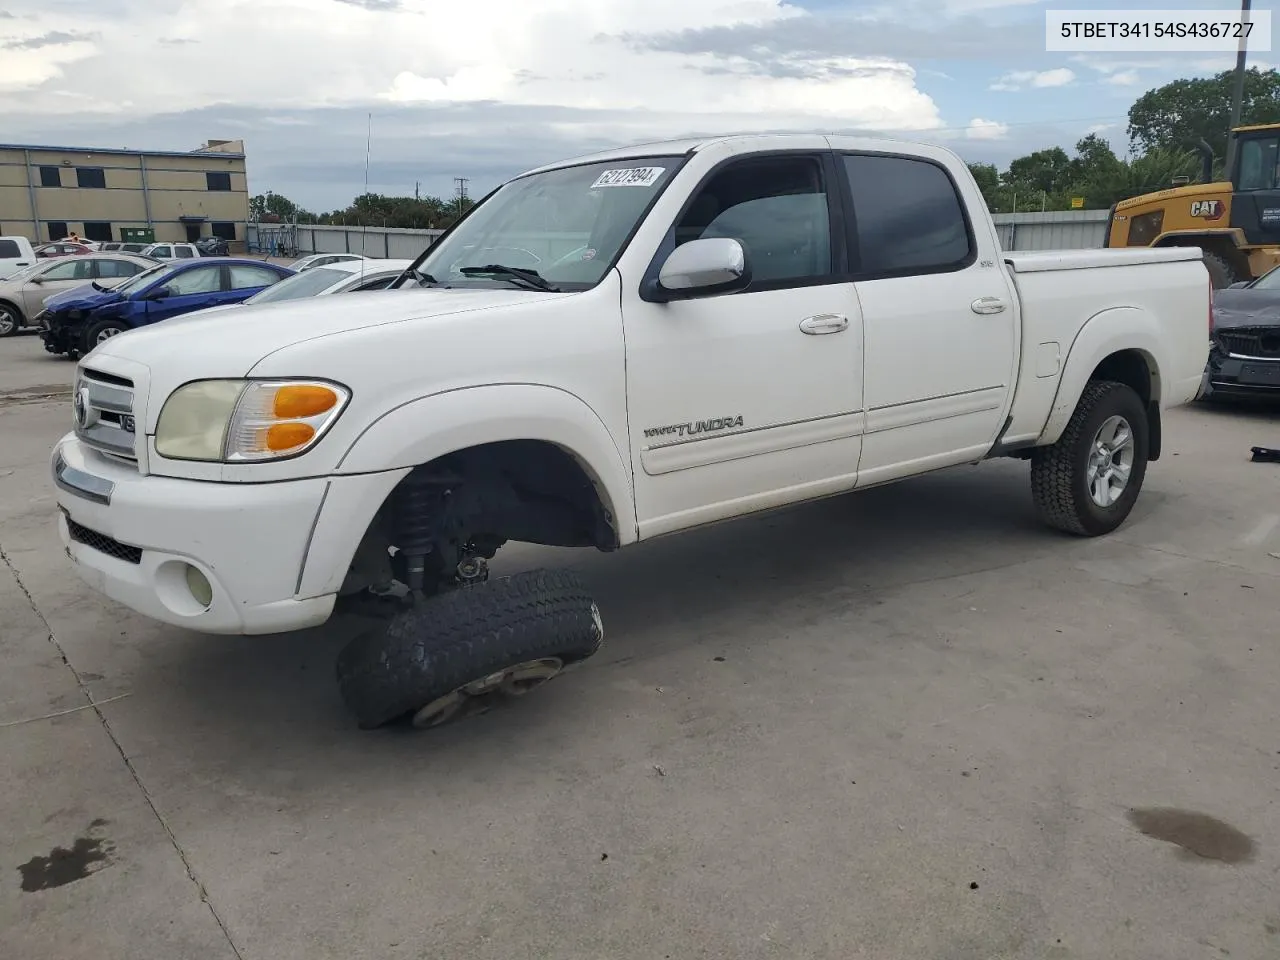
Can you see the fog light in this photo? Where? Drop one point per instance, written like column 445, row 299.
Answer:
column 200, row 587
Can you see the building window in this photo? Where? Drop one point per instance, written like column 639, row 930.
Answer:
column 97, row 231
column 218, row 181
column 50, row 177
column 91, row 178
column 57, row 229
column 225, row 231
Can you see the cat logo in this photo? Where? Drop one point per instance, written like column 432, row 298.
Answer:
column 1206, row 209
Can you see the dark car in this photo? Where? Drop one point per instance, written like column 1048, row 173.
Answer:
column 1244, row 351
column 213, row 247
column 76, row 321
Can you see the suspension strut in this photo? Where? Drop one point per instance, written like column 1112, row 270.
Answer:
column 416, row 509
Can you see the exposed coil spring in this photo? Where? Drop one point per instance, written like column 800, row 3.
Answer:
column 415, row 513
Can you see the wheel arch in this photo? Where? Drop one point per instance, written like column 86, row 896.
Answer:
column 1121, row 344
column 429, row 429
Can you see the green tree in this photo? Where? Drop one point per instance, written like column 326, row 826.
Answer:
column 1094, row 159
column 1041, row 172
column 1154, row 170
column 988, row 178
column 1182, row 112
column 274, row 204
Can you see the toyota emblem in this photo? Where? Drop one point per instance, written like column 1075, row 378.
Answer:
column 80, row 407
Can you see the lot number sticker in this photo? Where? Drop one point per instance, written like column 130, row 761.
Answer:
column 630, row 177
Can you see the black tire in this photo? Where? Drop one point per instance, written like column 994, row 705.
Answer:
column 91, row 335
column 1221, row 273
column 10, row 319
column 1059, row 473
column 465, row 635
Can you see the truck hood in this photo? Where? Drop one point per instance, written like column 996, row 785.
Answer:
column 229, row 343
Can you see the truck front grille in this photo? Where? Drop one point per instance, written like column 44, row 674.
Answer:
column 105, row 415
column 102, row 543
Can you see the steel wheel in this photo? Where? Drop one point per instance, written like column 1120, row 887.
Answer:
column 514, row 681
column 1110, row 461
column 106, row 334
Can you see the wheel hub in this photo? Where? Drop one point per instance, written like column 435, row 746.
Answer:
column 1110, row 461
column 479, row 695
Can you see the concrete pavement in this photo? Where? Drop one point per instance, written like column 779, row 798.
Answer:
column 906, row 723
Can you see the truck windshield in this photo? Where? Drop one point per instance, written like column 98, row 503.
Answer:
column 568, row 225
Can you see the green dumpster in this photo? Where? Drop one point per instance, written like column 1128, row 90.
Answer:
column 138, row 234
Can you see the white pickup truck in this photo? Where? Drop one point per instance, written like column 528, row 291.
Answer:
column 603, row 351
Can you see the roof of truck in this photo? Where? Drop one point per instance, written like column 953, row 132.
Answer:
column 681, row 147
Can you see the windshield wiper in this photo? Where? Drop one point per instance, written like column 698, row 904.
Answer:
column 516, row 274
column 420, row 276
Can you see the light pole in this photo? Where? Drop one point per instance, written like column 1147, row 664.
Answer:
column 1237, row 93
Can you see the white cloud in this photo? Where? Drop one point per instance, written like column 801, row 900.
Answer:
column 1020, row 79
column 1123, row 78
column 566, row 53
column 980, row 129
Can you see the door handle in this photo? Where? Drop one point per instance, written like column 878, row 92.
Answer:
column 988, row 305
column 824, row 323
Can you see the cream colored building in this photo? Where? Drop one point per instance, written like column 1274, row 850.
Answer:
column 48, row 192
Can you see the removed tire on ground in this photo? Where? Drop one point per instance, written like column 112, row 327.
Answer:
column 454, row 654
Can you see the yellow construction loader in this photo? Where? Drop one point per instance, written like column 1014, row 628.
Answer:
column 1235, row 221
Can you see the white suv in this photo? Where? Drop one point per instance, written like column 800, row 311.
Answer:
column 172, row 251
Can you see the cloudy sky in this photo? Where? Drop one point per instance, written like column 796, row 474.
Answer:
column 486, row 88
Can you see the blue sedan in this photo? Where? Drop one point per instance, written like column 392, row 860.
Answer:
column 76, row 321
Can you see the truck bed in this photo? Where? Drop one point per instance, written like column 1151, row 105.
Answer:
column 1040, row 261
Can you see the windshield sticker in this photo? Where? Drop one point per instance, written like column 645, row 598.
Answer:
column 588, row 254
column 629, row 177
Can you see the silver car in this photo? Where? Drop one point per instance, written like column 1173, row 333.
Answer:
column 22, row 295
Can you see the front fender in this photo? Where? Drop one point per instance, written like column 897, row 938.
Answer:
column 430, row 427
column 1105, row 333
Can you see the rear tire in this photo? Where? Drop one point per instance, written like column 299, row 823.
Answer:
column 462, row 638
column 10, row 320
column 1066, row 482
column 1221, row 273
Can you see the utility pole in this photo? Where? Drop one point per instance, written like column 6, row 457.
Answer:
column 416, row 185
column 1237, row 94
column 460, row 188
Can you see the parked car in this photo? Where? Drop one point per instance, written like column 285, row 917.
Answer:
column 62, row 248
column 172, row 251
column 764, row 320
column 213, row 247
column 323, row 260
column 342, row 277
column 74, row 322
column 351, row 277
column 22, row 296
column 1244, row 352
column 16, row 254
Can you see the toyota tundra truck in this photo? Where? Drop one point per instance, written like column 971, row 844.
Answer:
column 605, row 350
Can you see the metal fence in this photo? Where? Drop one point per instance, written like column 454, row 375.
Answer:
column 1051, row 230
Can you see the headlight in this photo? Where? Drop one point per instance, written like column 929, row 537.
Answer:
column 247, row 420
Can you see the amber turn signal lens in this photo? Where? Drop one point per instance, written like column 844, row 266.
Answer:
column 286, row 436
column 303, row 400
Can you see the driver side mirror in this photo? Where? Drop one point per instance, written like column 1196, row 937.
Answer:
column 159, row 294
column 701, row 267
column 36, row 280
